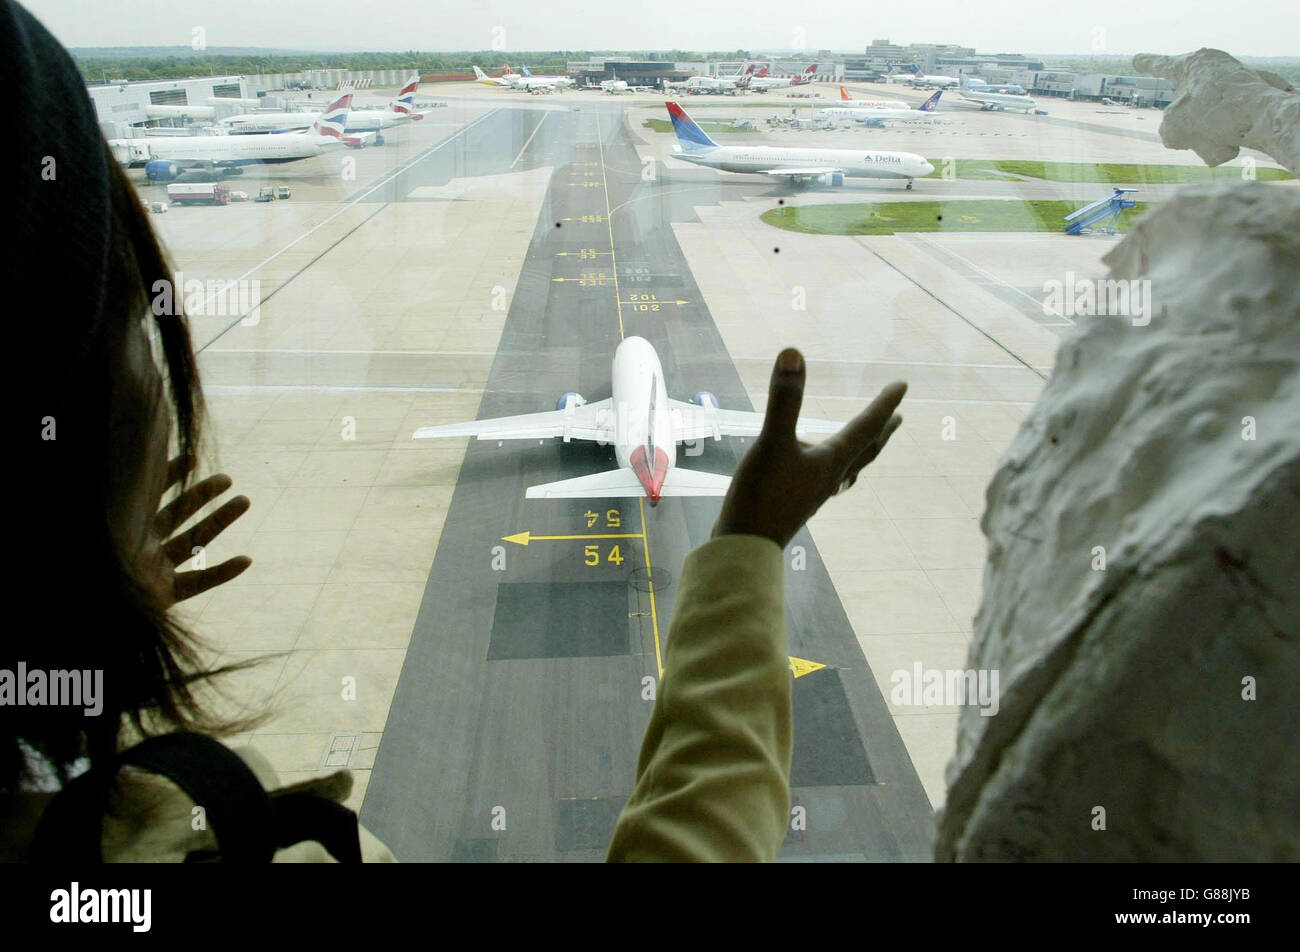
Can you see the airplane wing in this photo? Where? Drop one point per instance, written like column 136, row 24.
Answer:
column 618, row 483
column 623, row 483
column 800, row 173
column 693, row 422
column 591, row 421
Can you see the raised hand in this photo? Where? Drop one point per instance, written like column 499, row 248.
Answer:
column 780, row 483
column 179, row 549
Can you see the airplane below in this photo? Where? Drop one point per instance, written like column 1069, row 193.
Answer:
column 916, row 78
column 643, row 424
column 799, row 166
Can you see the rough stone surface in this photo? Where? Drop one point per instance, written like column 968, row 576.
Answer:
column 1122, row 687
column 1222, row 106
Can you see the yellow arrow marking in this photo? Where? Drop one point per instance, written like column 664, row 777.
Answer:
column 523, row 538
column 801, row 666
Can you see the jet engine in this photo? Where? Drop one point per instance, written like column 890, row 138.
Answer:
column 569, row 399
column 160, row 171
column 830, row 178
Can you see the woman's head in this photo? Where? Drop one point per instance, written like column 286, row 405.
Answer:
column 112, row 391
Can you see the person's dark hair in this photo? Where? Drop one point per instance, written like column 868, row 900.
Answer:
column 107, row 617
column 83, row 249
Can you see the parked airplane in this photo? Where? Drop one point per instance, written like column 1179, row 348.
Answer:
column 847, row 100
column 399, row 110
column 614, row 86
column 537, row 84
column 716, row 85
column 761, row 82
column 798, row 166
column 179, row 112
column 641, row 421
column 982, row 87
column 994, row 100
column 166, row 158
column 502, row 80
column 880, row 116
column 917, row 78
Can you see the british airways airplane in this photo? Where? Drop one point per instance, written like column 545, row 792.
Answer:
column 641, row 421
column 799, row 166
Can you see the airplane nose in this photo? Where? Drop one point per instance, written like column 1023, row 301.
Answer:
column 927, row 168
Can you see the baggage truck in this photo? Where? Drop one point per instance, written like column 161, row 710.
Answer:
column 198, row 193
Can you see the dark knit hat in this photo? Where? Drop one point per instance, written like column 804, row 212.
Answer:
column 58, row 165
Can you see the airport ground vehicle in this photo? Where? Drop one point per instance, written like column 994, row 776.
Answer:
column 267, row 194
column 198, row 193
column 158, row 207
column 282, row 191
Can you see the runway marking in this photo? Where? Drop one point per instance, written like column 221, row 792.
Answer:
column 525, row 537
column 529, row 140
column 801, row 666
column 234, row 389
column 622, row 335
column 918, row 236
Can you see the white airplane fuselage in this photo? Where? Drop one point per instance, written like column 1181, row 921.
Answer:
column 855, row 163
column 230, row 149
column 644, row 440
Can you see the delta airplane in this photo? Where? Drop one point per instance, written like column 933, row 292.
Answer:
column 878, row 117
column 846, row 101
column 761, row 82
column 641, row 421
column 798, row 166
column 166, row 158
column 994, row 100
column 400, row 109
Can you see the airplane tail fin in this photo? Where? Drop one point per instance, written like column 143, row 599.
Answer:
column 334, row 119
column 524, row 67
column 961, row 78
column 479, row 74
column 931, row 104
column 404, row 102
column 844, row 94
column 691, row 137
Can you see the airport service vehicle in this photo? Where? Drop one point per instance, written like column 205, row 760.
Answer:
column 158, row 207
column 848, row 101
column 795, row 165
column 198, row 193
column 166, row 158
column 267, row 194
column 641, row 421
column 995, row 101
column 761, row 82
column 878, row 117
column 398, row 110
column 238, row 196
column 282, row 191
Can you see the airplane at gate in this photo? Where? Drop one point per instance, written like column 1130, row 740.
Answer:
column 641, row 421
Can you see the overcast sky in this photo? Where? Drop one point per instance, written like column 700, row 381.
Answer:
column 1250, row 28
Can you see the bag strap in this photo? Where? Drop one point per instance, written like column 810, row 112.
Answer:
column 248, row 824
